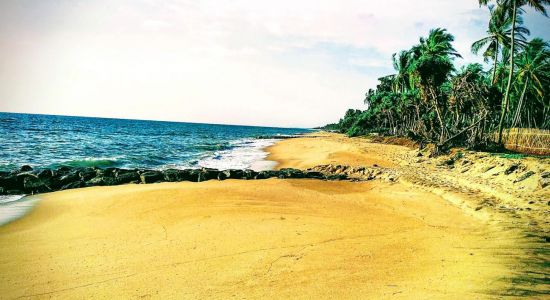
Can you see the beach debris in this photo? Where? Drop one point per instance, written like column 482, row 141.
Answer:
column 511, row 169
column 524, row 176
column 544, row 182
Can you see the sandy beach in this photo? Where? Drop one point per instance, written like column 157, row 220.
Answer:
column 262, row 239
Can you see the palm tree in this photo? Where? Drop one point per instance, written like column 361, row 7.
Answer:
column 431, row 64
column 513, row 6
column 533, row 70
column 500, row 27
column 401, row 64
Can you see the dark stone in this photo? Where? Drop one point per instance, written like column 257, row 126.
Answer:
column 70, row 177
column 511, row 169
column 10, row 182
column 315, row 175
column 45, row 174
column 267, row 174
column 544, row 182
column 249, row 174
column 291, row 173
column 127, row 177
column 36, row 185
column 336, row 177
column 151, row 177
column 87, row 174
column 73, row 185
column 207, row 174
column 25, row 168
column 545, row 174
column 524, row 176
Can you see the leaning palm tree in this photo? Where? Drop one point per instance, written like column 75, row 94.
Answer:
column 500, row 27
column 431, row 65
column 514, row 6
column 533, row 71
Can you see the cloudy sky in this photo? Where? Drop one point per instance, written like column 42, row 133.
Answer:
column 280, row 63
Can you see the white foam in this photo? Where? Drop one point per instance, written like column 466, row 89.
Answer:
column 246, row 154
column 13, row 207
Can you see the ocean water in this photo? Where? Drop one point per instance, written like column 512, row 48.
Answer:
column 45, row 141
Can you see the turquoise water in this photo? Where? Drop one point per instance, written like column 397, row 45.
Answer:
column 49, row 141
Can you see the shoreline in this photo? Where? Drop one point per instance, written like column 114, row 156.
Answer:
column 259, row 238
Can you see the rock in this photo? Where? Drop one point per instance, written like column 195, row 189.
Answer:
column 25, row 168
column 544, row 182
column 87, row 174
column 205, row 174
column 545, row 174
column 291, row 173
column 73, row 185
column 151, row 177
column 127, row 177
column 511, row 169
column 249, row 174
column 314, row 174
column 267, row 174
column 36, row 185
column 10, row 182
column 45, row 174
column 336, row 177
column 524, row 176
column 489, row 168
column 232, row 174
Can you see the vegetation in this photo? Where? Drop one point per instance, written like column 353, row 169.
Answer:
column 431, row 100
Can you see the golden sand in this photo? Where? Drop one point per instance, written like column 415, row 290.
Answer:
column 253, row 239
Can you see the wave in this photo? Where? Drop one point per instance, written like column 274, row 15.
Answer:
column 100, row 162
column 244, row 155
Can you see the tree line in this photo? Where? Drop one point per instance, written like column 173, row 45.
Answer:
column 431, row 100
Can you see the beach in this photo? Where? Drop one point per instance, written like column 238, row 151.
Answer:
column 274, row 238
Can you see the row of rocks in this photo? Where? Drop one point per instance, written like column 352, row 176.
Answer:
column 361, row 173
column 29, row 181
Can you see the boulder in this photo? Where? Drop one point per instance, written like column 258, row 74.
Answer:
column 524, row 176
column 207, row 174
column 73, row 185
column 336, row 177
column 291, row 173
column 45, row 174
column 544, row 182
column 314, row 174
column 10, row 182
column 36, row 185
column 267, row 174
column 87, row 174
column 25, row 168
column 511, row 169
column 249, row 174
column 126, row 176
column 151, row 177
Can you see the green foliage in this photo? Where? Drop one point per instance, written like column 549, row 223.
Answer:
column 429, row 100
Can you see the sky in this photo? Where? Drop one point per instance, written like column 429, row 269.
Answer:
column 285, row 63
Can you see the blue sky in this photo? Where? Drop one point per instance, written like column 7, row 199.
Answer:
column 276, row 63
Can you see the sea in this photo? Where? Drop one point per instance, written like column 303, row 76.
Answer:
column 49, row 141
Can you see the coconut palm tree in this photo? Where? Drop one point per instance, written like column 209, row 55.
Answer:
column 500, row 27
column 513, row 7
column 533, row 72
column 401, row 64
column 431, row 65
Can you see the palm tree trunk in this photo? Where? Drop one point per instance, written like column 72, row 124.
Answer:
column 510, row 76
column 520, row 104
column 495, row 59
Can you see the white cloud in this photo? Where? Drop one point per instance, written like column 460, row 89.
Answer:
column 243, row 61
